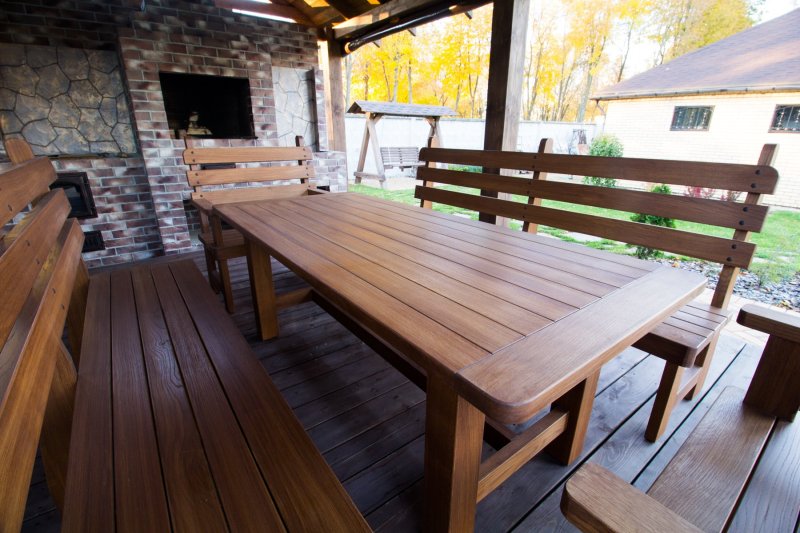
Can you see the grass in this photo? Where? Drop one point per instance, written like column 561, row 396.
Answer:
column 777, row 254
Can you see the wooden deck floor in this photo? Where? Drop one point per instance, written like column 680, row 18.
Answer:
column 368, row 421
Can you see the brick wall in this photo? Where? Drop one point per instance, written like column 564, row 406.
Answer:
column 200, row 39
column 125, row 214
column 739, row 127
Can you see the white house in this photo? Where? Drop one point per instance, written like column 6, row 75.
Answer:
column 721, row 103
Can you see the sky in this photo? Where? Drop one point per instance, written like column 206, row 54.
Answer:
column 776, row 8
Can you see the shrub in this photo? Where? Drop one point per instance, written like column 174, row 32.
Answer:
column 643, row 252
column 465, row 168
column 606, row 145
column 700, row 192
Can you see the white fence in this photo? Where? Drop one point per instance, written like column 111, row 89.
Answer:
column 458, row 133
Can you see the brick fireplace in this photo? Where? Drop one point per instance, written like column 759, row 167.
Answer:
column 138, row 181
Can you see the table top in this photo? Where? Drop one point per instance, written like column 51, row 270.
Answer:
column 513, row 320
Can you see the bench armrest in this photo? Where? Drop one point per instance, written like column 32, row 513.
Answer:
column 595, row 499
column 780, row 324
column 203, row 205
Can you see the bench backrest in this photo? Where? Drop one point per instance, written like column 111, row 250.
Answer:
column 40, row 259
column 275, row 158
column 741, row 218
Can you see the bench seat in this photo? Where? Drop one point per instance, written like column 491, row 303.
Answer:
column 737, row 471
column 683, row 336
column 178, row 426
column 707, row 484
column 234, row 243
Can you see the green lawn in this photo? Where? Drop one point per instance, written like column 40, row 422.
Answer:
column 777, row 253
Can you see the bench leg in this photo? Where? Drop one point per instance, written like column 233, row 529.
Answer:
column 453, row 441
column 264, row 300
column 227, row 289
column 775, row 387
column 704, row 362
column 665, row 400
column 578, row 403
column 211, row 269
column 57, row 425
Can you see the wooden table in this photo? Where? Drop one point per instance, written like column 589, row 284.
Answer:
column 502, row 323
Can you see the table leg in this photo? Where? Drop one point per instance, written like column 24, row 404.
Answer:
column 453, row 440
column 260, row 269
column 578, row 403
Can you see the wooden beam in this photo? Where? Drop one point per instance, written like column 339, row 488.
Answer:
column 336, row 130
column 506, row 65
column 346, row 29
column 274, row 10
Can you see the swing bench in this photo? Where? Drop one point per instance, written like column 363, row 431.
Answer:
column 402, row 157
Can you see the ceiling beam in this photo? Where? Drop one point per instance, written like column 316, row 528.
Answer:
column 346, row 29
column 275, row 10
column 406, row 21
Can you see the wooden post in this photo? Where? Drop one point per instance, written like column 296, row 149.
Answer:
column 336, row 141
column 545, row 147
column 504, row 95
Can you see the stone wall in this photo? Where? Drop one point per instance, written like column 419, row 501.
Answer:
column 64, row 101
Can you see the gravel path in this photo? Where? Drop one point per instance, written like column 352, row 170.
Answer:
column 785, row 294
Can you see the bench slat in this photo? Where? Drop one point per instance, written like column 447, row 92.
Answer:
column 89, row 493
column 704, row 211
column 249, row 194
column 717, row 460
column 250, row 154
column 595, row 499
column 27, row 363
column 725, row 251
column 243, row 493
column 760, row 179
column 772, row 500
column 30, row 243
column 478, row 180
column 287, row 457
column 138, row 484
column 248, row 175
column 193, row 501
column 22, row 184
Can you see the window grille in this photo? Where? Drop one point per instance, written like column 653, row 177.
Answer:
column 786, row 118
column 694, row 118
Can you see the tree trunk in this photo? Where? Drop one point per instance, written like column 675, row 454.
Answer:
column 410, row 85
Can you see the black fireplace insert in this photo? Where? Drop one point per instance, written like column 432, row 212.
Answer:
column 76, row 187
column 222, row 104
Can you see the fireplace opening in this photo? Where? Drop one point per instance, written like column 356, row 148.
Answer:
column 218, row 107
column 79, row 195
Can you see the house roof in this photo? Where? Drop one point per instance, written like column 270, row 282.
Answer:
column 765, row 57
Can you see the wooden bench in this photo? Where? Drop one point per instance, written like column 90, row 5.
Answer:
column 401, row 157
column 737, row 471
column 686, row 340
column 158, row 416
column 239, row 184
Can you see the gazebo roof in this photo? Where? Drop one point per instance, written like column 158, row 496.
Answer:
column 401, row 110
